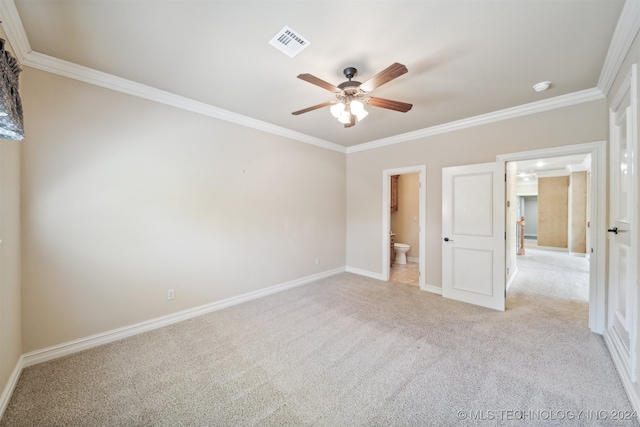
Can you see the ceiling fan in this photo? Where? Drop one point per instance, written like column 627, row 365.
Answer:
column 351, row 96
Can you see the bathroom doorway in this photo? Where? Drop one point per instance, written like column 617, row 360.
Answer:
column 408, row 214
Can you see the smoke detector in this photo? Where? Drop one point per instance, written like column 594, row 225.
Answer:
column 541, row 87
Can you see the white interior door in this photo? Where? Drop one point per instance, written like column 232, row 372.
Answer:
column 473, row 234
column 622, row 247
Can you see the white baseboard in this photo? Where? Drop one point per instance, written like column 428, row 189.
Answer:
column 413, row 260
column 70, row 347
column 548, row 248
column 432, row 289
column 11, row 385
column 632, row 394
column 578, row 254
column 366, row 273
column 429, row 288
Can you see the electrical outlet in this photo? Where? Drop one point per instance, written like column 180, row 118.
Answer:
column 170, row 294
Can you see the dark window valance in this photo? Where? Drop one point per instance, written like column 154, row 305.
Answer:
column 11, row 126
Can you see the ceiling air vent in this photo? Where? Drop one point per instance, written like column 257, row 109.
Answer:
column 289, row 42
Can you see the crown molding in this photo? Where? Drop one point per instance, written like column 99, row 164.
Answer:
column 623, row 36
column 626, row 29
column 109, row 81
column 12, row 26
column 587, row 95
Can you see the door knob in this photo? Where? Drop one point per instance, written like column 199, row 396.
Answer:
column 446, row 239
column 613, row 230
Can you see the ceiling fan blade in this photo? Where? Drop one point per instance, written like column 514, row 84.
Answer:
column 391, row 72
column 315, row 107
column 403, row 107
column 351, row 123
column 319, row 82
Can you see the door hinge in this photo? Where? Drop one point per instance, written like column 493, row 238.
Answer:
column 505, row 177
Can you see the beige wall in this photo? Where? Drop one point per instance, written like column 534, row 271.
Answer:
column 571, row 125
column 405, row 222
column 10, row 308
column 553, row 211
column 124, row 199
column 578, row 209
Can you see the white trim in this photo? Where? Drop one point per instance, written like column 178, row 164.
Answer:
column 550, row 248
column 11, row 385
column 411, row 259
column 634, row 399
column 12, row 26
column 626, row 29
column 70, row 347
column 598, row 197
column 365, row 273
column 570, row 99
column 433, row 289
column 422, row 222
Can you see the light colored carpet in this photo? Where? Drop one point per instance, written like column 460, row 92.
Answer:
column 343, row 351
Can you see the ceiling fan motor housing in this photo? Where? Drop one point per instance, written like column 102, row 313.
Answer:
column 350, row 72
column 350, row 87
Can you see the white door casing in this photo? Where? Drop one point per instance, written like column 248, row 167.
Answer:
column 622, row 232
column 473, row 234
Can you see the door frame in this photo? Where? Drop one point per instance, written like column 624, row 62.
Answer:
column 598, row 201
column 422, row 218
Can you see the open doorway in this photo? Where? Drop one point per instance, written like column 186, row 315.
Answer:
column 404, row 245
column 556, row 252
column 409, row 216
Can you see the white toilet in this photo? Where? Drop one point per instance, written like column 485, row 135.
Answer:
column 401, row 252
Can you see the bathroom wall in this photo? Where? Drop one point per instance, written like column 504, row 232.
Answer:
column 405, row 222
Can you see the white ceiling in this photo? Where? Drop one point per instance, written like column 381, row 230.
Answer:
column 531, row 170
column 465, row 58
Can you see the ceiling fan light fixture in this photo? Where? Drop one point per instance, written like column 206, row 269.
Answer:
column 337, row 109
column 361, row 114
column 345, row 117
column 356, row 106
